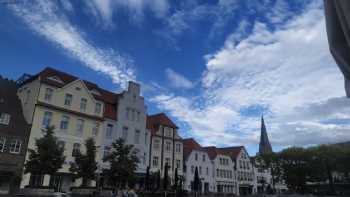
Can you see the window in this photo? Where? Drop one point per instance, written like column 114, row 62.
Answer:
column 106, row 151
column 83, row 103
column 80, row 127
column 138, row 116
column 167, row 131
column 155, row 161
column 64, row 122
column 192, row 169
column 15, row 146
column 156, row 144
column 133, row 115
column 61, row 144
column 47, row 119
column 178, row 163
column 196, row 157
column 217, row 172
column 178, row 148
column 167, row 146
column 76, row 149
column 137, row 137
column 5, row 118
column 27, row 97
column 146, row 136
column 95, row 129
column 207, row 171
column 98, row 108
column 48, row 94
column 125, row 133
column 203, row 158
column 68, row 100
column 127, row 113
column 200, row 169
column 2, row 144
column 109, row 130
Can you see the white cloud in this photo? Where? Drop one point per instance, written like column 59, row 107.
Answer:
column 177, row 80
column 287, row 71
column 45, row 18
column 104, row 10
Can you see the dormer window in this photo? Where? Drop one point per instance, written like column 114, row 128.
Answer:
column 83, row 103
column 98, row 108
column 5, row 118
column 48, row 94
column 56, row 79
column 68, row 100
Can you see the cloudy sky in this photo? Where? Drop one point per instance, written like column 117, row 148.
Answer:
column 214, row 66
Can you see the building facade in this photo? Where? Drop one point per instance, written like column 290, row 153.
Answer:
column 76, row 109
column 196, row 157
column 166, row 146
column 14, row 132
column 224, row 170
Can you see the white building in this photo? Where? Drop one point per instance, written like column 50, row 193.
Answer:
column 166, row 145
column 129, row 124
column 224, row 170
column 244, row 169
column 196, row 156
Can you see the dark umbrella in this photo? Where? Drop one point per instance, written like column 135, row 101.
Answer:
column 147, row 179
column 196, row 181
column 338, row 31
column 165, row 181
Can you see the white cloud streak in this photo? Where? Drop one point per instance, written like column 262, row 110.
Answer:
column 177, row 80
column 46, row 19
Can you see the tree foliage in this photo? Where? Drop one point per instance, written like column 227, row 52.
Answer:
column 85, row 165
column 48, row 156
column 314, row 164
column 123, row 163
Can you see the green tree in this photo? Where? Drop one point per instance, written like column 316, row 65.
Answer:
column 85, row 165
column 123, row 163
column 46, row 159
column 294, row 162
column 271, row 161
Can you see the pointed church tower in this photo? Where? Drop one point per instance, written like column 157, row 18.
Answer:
column 264, row 146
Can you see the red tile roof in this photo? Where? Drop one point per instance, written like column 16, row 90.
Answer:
column 189, row 145
column 153, row 122
column 110, row 99
column 233, row 151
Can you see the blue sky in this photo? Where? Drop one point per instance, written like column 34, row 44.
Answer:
column 213, row 66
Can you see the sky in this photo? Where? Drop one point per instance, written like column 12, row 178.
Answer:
column 213, row 66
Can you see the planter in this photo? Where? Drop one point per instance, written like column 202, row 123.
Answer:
column 37, row 191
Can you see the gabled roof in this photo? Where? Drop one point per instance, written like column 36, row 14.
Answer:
column 154, row 121
column 232, row 151
column 110, row 99
column 189, row 145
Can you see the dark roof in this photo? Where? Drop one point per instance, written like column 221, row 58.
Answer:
column 110, row 99
column 189, row 145
column 154, row 121
column 11, row 104
column 264, row 145
column 232, row 151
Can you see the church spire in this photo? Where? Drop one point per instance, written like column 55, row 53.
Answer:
column 264, row 146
